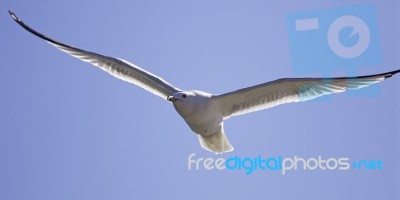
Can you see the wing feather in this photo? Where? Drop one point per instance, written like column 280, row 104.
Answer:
column 289, row 90
column 118, row 68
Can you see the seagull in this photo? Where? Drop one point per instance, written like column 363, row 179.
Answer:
column 205, row 113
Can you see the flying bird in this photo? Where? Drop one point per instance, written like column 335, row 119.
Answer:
column 205, row 113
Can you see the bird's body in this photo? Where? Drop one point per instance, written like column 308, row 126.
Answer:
column 205, row 113
column 198, row 110
column 203, row 116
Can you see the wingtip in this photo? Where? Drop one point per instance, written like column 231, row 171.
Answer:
column 390, row 74
column 13, row 16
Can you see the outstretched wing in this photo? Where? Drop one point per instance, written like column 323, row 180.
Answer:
column 117, row 67
column 283, row 91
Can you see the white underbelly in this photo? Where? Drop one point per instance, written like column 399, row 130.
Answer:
column 206, row 128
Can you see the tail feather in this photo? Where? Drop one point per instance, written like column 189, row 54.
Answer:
column 216, row 142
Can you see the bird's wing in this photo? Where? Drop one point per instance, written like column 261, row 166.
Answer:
column 117, row 67
column 289, row 90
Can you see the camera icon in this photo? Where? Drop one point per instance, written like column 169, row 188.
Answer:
column 324, row 41
column 336, row 39
column 359, row 28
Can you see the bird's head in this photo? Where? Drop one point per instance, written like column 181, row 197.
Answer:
column 188, row 102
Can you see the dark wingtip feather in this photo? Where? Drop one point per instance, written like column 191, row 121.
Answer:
column 31, row 30
column 390, row 74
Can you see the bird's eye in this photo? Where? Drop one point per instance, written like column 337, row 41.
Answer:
column 184, row 95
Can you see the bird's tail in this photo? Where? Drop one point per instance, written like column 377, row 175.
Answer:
column 216, row 142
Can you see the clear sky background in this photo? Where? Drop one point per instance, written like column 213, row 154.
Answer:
column 71, row 131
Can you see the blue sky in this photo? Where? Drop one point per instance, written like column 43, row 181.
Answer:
column 70, row 131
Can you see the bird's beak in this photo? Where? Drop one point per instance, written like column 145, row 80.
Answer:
column 173, row 99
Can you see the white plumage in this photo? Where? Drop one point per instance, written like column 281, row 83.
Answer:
column 204, row 113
